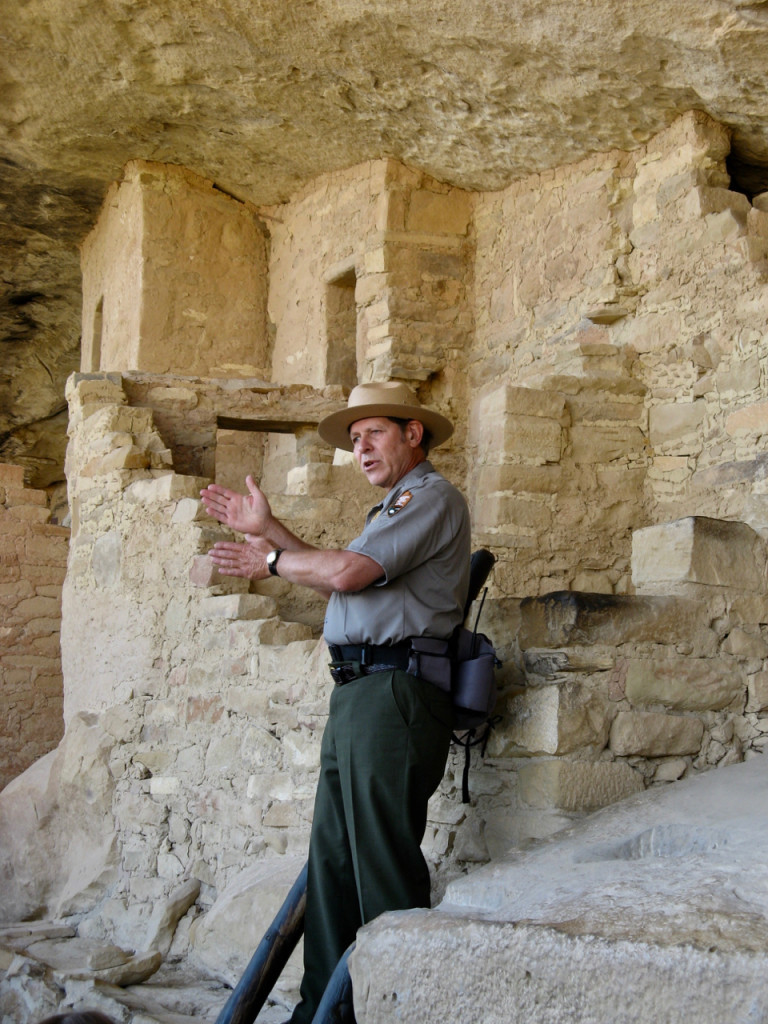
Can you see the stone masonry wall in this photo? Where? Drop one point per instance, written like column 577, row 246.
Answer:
column 546, row 320
column 323, row 235
column 558, row 437
column 699, row 266
column 401, row 242
column 160, row 268
column 598, row 408
column 33, row 558
column 619, row 359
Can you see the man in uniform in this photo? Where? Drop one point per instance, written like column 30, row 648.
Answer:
column 404, row 579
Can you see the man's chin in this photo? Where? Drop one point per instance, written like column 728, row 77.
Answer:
column 377, row 479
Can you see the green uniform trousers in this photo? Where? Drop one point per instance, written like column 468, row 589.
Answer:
column 383, row 754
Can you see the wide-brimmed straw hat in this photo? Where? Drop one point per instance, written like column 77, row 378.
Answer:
column 389, row 398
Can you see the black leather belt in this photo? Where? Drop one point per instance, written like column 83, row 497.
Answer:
column 392, row 655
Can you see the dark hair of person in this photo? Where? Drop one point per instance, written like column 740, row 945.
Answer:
column 79, row 1017
column 426, row 437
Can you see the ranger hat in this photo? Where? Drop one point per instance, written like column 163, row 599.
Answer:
column 389, row 398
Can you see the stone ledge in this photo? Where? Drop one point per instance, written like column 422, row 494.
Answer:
column 566, row 617
column 577, row 785
column 238, row 606
column 649, row 734
column 698, row 549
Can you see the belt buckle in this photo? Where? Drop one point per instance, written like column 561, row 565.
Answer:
column 342, row 674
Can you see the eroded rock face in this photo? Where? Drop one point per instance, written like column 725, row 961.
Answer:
column 654, row 907
column 262, row 99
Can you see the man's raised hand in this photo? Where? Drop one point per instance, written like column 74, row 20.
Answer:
column 246, row 513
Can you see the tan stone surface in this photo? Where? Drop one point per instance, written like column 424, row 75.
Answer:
column 577, row 786
column 33, row 554
column 685, row 684
column 555, row 321
column 630, row 915
column 698, row 550
column 459, row 96
column 649, row 734
column 244, row 912
column 136, row 312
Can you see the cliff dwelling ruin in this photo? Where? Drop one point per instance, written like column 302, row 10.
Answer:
column 560, row 240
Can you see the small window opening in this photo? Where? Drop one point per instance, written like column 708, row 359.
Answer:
column 341, row 331
column 96, row 336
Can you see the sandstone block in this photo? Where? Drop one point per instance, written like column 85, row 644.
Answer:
column 558, row 720
column 741, row 377
column 569, row 617
column 671, row 770
column 274, row 631
column 204, row 710
column 223, row 939
column 720, row 227
column 650, row 734
column 164, row 785
column 519, row 479
column 577, row 785
column 223, row 754
column 124, row 457
column 11, row 476
column 167, row 913
column 750, row 419
column 509, row 509
column 685, row 684
column 701, row 201
column 178, row 397
column 238, row 606
column 27, row 514
column 438, row 213
column 744, row 644
column 530, row 437
column 533, row 725
column 204, row 573
column 517, row 401
column 671, row 423
column 551, row 663
column 166, row 487
column 25, row 495
column 188, row 510
column 757, row 692
column 605, row 442
column 312, row 479
column 698, row 550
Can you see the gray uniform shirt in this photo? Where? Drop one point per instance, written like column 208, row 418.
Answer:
column 420, row 536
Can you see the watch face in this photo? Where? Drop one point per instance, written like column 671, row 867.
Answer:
column 272, row 558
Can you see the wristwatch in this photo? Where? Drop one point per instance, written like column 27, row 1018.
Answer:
column 272, row 558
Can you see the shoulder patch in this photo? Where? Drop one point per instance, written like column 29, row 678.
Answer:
column 401, row 502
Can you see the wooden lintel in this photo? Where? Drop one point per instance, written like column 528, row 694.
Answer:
column 267, row 426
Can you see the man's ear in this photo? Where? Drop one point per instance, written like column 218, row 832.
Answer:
column 414, row 432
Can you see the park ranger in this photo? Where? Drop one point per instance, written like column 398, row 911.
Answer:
column 395, row 596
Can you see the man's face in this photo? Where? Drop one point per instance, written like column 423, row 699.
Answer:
column 384, row 452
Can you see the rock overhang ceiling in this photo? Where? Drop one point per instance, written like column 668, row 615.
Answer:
column 262, row 96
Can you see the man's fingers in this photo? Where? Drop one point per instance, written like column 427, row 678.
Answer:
column 223, row 551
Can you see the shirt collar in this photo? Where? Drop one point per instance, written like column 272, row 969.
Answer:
column 402, row 485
